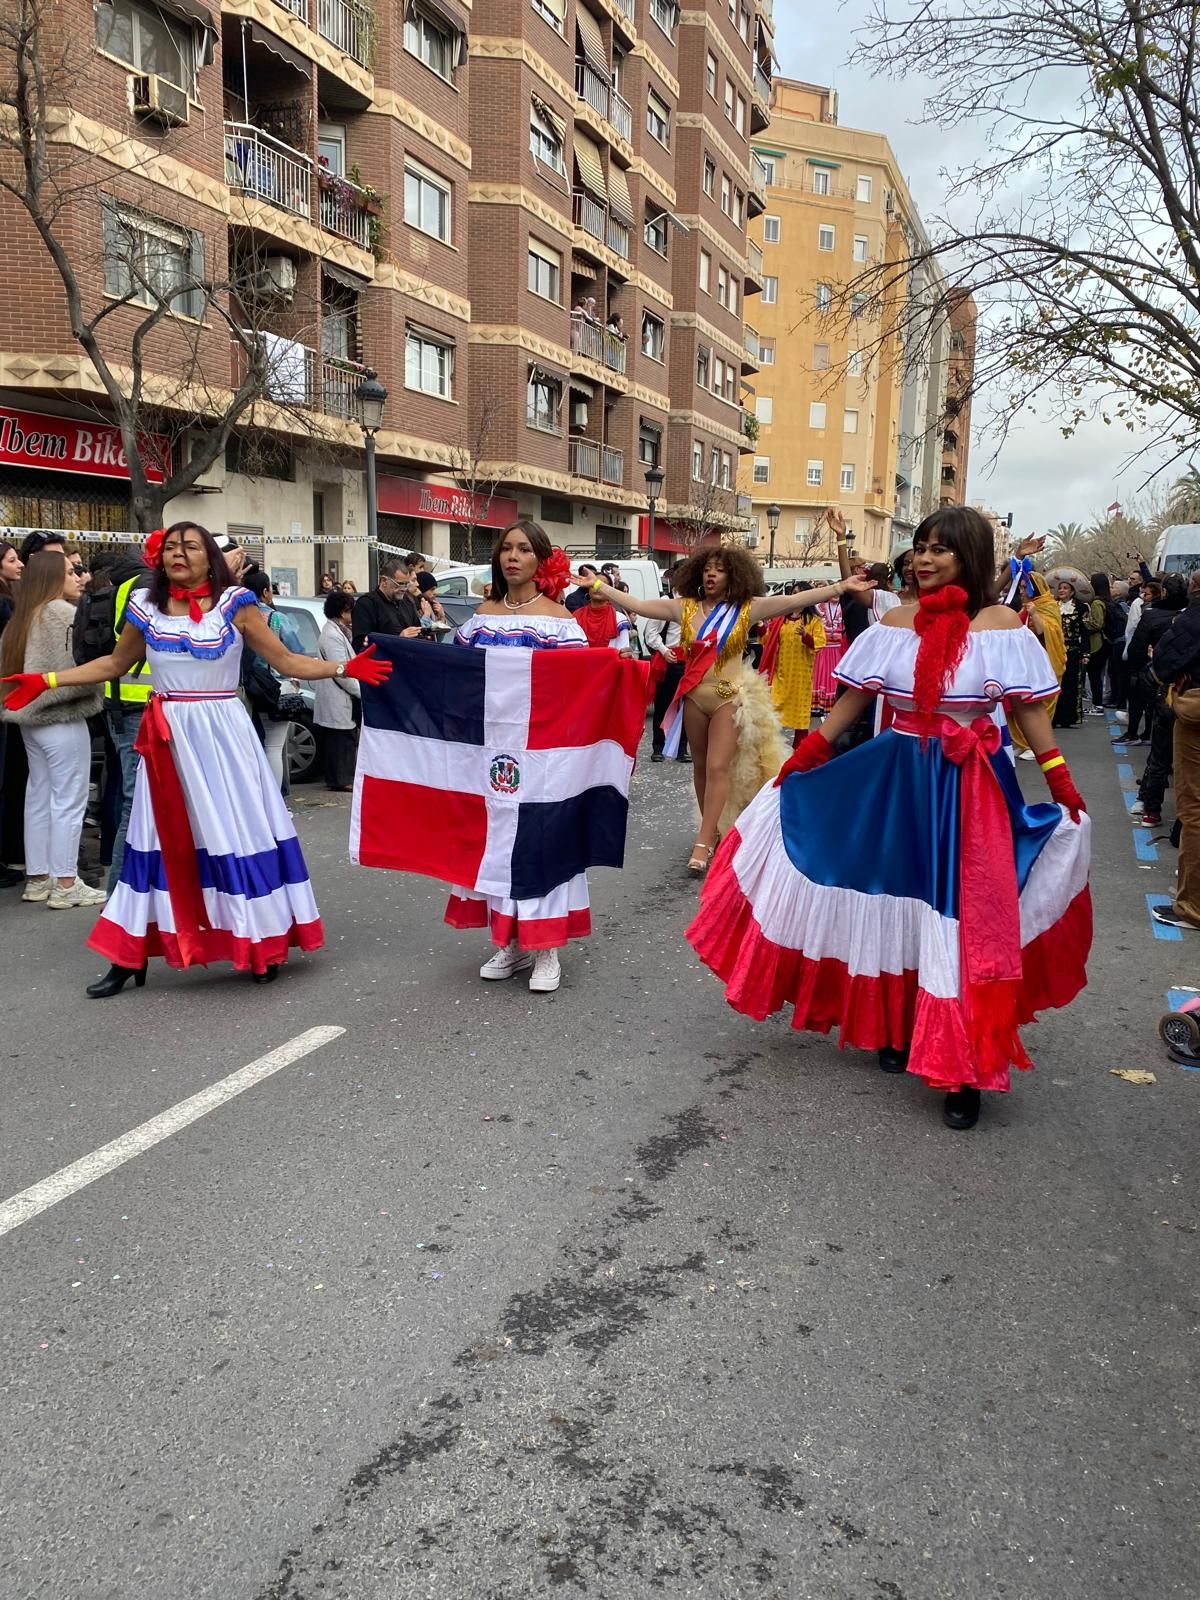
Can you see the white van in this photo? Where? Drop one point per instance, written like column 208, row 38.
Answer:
column 1178, row 548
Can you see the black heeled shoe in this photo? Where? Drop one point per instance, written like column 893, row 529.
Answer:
column 961, row 1109
column 893, row 1058
column 268, row 976
column 114, row 980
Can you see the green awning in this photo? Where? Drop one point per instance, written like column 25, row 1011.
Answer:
column 815, row 161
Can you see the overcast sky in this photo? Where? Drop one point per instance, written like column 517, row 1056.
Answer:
column 1039, row 476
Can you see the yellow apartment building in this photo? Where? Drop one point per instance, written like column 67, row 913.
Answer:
column 830, row 421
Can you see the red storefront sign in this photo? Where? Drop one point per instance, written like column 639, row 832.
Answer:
column 62, row 444
column 407, row 497
column 671, row 538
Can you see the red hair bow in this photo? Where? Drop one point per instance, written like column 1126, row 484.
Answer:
column 553, row 574
column 152, row 549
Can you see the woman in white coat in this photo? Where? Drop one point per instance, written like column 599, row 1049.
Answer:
column 335, row 710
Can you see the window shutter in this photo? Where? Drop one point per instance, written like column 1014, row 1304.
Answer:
column 116, row 250
column 197, row 299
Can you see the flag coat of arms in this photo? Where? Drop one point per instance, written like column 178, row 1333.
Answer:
column 505, row 772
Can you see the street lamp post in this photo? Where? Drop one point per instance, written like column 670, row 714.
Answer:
column 654, row 482
column 773, row 516
column 372, row 397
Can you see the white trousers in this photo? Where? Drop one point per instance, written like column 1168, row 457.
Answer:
column 60, row 764
column 275, row 735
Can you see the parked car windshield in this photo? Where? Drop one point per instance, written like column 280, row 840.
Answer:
column 305, row 625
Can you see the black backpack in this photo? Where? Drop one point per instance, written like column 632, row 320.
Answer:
column 1115, row 618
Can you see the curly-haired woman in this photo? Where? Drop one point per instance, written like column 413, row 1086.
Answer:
column 731, row 726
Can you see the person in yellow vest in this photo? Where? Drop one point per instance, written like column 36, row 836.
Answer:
column 124, row 703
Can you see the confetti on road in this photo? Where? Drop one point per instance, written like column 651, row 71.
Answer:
column 1132, row 1075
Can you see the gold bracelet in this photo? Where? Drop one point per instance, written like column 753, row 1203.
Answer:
column 52, row 680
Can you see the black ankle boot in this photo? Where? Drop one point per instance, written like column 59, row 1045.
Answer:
column 114, row 980
column 268, row 976
column 893, row 1058
column 961, row 1109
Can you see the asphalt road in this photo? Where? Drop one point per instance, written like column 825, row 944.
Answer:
column 611, row 1293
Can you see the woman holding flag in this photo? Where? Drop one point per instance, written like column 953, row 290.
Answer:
column 970, row 912
column 213, row 869
column 732, row 729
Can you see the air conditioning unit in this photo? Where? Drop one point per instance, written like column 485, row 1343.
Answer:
column 579, row 414
column 159, row 99
column 275, row 279
column 752, row 539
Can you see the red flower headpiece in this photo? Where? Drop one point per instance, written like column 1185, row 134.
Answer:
column 941, row 624
column 152, row 549
column 553, row 575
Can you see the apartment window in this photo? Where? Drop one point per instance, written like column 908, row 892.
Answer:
column 544, row 140
column 816, row 474
column 734, row 292
column 744, row 23
column 820, row 358
column 764, row 410
column 653, row 336
column 858, row 305
column 770, row 291
column 545, row 271
column 771, row 230
column 705, row 271
column 726, row 193
column 152, row 261
column 718, row 376
column 703, row 365
column 655, row 231
column 664, row 13
column 861, row 244
column 722, row 286
column 739, row 207
column 854, row 364
column 726, row 470
column 149, row 41
column 739, row 117
column 697, row 461
column 863, row 191
column 543, row 403
column 729, row 99
column 825, row 237
column 710, row 176
column 549, row 12
column 762, row 469
column 848, row 477
column 820, row 181
column 850, row 422
column 649, row 444
column 430, row 41
column 658, row 118
column 714, row 467
column 428, row 363
column 710, row 73
column 730, row 377
column 766, row 352
column 824, row 296
column 767, row 163
column 816, row 414
column 426, row 201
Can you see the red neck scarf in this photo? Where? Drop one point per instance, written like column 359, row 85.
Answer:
column 599, row 623
column 202, row 591
column 941, row 624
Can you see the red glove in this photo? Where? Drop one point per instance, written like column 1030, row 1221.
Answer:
column 366, row 669
column 814, row 752
column 29, row 686
column 1060, row 782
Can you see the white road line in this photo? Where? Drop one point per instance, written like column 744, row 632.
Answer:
column 41, row 1196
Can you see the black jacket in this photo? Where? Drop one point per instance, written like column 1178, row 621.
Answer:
column 1177, row 653
column 95, row 620
column 373, row 613
column 1152, row 624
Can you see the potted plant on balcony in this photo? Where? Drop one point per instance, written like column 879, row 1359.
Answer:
column 339, row 190
column 750, row 427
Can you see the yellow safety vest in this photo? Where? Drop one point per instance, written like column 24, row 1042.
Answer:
column 135, row 688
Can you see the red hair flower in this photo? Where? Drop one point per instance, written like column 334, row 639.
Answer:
column 553, row 575
column 152, row 549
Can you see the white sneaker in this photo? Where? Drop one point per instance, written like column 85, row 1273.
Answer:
column 36, row 890
column 76, row 894
column 1025, row 755
column 506, row 962
column 1138, row 808
column 547, row 974
column 1122, row 717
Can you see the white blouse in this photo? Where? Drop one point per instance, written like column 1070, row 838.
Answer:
column 999, row 664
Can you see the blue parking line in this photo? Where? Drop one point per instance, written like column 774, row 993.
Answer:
column 1144, row 847
column 1161, row 930
column 1125, row 775
column 1130, row 798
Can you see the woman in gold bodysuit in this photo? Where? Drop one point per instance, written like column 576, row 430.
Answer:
column 732, row 730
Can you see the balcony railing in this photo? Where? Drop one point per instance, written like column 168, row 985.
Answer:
column 612, row 465
column 585, row 459
column 258, row 164
column 346, row 25
column 625, row 7
column 590, row 86
column 614, row 351
column 298, row 8
column 296, row 375
column 766, row 8
column 589, row 215
column 339, row 384
column 620, row 114
column 755, row 257
column 617, row 238
column 751, row 342
column 762, row 84
column 587, row 338
column 342, row 209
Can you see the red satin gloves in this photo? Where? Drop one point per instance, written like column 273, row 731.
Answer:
column 814, row 752
column 366, row 668
column 1060, row 782
column 28, row 686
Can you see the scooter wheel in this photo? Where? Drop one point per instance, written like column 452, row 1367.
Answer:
column 1180, row 1030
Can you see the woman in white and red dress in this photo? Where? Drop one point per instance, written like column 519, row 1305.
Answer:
column 213, row 870
column 970, row 912
column 523, row 611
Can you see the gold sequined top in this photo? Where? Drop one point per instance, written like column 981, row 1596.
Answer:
column 735, row 646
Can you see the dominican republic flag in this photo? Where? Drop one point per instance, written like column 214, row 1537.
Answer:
column 502, row 771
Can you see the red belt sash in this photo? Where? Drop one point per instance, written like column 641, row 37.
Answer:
column 989, row 917
column 176, row 844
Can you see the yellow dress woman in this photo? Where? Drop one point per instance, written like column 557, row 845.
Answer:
column 1044, row 620
column 790, row 672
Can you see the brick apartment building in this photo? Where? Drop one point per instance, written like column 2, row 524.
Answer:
column 426, row 191
column 956, row 438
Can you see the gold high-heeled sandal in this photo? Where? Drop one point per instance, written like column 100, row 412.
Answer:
column 698, row 865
